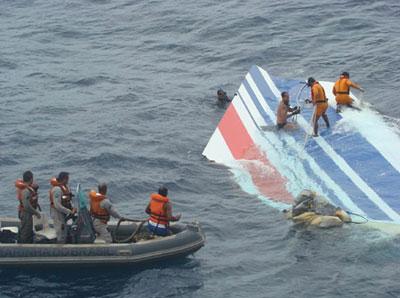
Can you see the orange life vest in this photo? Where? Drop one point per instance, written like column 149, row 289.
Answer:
column 158, row 213
column 342, row 86
column 95, row 209
column 66, row 194
column 20, row 186
column 318, row 94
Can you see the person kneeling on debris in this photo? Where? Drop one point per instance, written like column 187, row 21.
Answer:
column 101, row 209
column 341, row 90
column 160, row 211
column 312, row 209
column 284, row 112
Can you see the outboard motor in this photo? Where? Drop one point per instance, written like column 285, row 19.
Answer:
column 82, row 230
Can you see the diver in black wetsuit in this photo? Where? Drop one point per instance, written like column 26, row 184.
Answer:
column 222, row 97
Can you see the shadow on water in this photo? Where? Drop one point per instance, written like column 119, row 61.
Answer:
column 103, row 280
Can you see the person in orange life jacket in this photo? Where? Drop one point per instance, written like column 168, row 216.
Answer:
column 160, row 211
column 320, row 103
column 284, row 112
column 341, row 90
column 101, row 209
column 61, row 205
column 27, row 196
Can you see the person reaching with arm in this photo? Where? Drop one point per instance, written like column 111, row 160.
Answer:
column 160, row 211
column 101, row 210
column 341, row 90
column 284, row 112
column 320, row 102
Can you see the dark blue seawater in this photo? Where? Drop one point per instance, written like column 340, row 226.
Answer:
column 124, row 92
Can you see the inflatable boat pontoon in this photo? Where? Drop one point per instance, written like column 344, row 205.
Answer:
column 186, row 239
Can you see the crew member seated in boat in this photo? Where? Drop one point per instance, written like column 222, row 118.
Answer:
column 61, row 205
column 222, row 97
column 320, row 103
column 284, row 112
column 160, row 211
column 341, row 90
column 101, row 209
column 28, row 205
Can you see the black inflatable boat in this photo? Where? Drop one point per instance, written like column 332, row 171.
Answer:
column 185, row 239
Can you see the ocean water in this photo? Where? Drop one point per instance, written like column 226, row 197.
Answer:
column 124, row 92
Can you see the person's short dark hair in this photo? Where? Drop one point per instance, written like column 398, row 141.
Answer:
column 310, row 81
column 102, row 188
column 284, row 93
column 62, row 176
column 220, row 92
column 27, row 176
column 346, row 74
column 163, row 191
